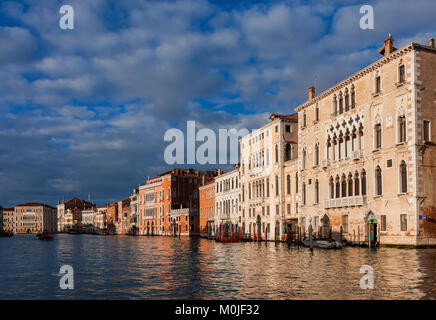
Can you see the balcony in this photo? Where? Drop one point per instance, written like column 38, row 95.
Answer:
column 357, row 154
column 256, row 201
column 325, row 163
column 257, row 171
column 353, row 201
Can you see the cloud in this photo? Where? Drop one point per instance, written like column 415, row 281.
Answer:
column 86, row 109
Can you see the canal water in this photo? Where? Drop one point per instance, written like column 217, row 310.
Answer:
column 122, row 267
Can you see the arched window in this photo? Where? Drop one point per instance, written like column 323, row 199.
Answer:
column 347, row 146
column 344, row 186
column 288, row 184
column 377, row 133
column 341, row 103
column 401, row 127
column 334, row 106
column 296, row 182
column 378, row 181
column 316, row 154
column 403, row 177
column 329, row 148
column 332, row 188
column 363, row 179
column 350, row 185
column 288, row 152
column 356, row 184
column 347, row 100
column 304, row 158
column 338, row 187
column 277, row 185
column 277, row 153
column 353, row 97
column 316, row 191
column 304, row 192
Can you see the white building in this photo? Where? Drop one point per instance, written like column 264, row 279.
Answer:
column 227, row 200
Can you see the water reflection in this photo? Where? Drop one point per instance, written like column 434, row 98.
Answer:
column 120, row 267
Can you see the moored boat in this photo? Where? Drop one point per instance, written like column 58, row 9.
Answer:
column 46, row 237
column 6, row 234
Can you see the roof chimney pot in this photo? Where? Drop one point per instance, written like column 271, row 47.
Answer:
column 311, row 93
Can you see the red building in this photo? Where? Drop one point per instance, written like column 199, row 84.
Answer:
column 207, row 209
column 177, row 201
column 123, row 223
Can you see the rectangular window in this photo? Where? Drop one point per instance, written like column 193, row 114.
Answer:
column 288, row 128
column 378, row 136
column 378, row 84
column 403, row 219
column 267, row 210
column 288, row 207
column 383, row 223
column 402, row 74
column 277, row 210
column 426, row 131
column 389, row 163
column 316, row 114
column 402, row 129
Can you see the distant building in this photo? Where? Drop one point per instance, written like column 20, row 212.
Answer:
column 69, row 214
column 149, row 207
column 9, row 220
column 35, row 217
column 177, row 200
column 100, row 219
column 1, row 218
column 123, row 222
column 207, row 209
column 112, row 217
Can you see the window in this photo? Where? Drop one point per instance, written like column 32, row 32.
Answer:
column 304, row 158
column 317, row 113
column 403, row 220
column 401, row 129
column 426, row 131
column 377, row 84
column 316, row 191
column 288, row 184
column 277, row 185
column 288, row 152
column 288, row 208
column 277, row 153
column 334, row 106
column 304, row 193
column 403, row 177
column 353, row 97
column 363, row 183
column 341, row 103
column 344, row 186
column 267, row 187
column 383, row 223
column 378, row 181
column 389, row 163
column 296, row 182
column 332, row 188
column 316, row 154
column 276, row 128
column 377, row 136
column 288, row 128
column 345, row 223
column 304, row 119
column 402, row 74
column 347, row 100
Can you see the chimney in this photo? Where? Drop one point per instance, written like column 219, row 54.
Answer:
column 311, row 93
column 203, row 180
column 388, row 46
column 431, row 43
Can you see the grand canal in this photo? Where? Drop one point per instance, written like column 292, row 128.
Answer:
column 118, row 267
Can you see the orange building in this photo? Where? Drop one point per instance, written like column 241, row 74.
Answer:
column 207, row 209
column 149, row 223
column 123, row 222
column 112, row 217
column 177, row 201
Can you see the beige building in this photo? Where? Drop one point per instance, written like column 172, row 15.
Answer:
column 35, row 217
column 366, row 150
column 100, row 220
column 9, row 220
column 264, row 198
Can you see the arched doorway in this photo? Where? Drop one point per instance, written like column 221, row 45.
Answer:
column 325, row 226
column 371, row 228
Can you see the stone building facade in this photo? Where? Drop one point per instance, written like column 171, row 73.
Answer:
column 367, row 153
column 9, row 220
column 264, row 153
column 227, row 201
column 207, row 209
column 35, row 217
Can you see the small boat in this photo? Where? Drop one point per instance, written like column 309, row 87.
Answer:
column 324, row 244
column 46, row 237
column 6, row 234
column 72, row 231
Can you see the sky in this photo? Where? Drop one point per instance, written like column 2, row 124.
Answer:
column 84, row 111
